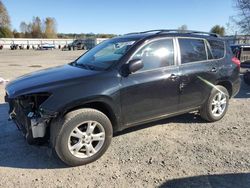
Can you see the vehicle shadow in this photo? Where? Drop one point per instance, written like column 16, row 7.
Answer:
column 15, row 152
column 236, row 180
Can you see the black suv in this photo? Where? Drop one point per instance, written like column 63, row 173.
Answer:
column 122, row 82
column 75, row 45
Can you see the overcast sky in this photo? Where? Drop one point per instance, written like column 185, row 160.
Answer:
column 119, row 17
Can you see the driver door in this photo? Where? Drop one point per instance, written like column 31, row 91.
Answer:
column 151, row 92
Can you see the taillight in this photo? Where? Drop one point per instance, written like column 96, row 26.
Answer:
column 236, row 61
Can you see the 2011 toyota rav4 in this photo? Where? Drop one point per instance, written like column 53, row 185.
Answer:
column 122, row 82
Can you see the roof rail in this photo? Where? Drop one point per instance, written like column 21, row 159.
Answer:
column 149, row 31
column 160, row 31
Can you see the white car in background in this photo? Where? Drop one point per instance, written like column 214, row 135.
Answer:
column 46, row 46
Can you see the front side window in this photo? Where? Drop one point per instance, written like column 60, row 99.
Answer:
column 105, row 54
column 156, row 54
column 192, row 50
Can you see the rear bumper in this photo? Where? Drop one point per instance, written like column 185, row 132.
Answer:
column 236, row 87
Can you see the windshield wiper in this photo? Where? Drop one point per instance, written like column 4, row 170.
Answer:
column 91, row 67
column 86, row 66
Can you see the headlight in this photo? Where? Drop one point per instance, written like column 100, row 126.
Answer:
column 33, row 100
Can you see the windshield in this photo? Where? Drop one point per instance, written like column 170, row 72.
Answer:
column 105, row 54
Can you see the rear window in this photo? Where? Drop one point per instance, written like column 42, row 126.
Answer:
column 217, row 48
column 192, row 50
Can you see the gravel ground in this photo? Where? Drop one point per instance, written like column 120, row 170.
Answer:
column 183, row 151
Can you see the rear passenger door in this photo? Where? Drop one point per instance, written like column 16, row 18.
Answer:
column 197, row 72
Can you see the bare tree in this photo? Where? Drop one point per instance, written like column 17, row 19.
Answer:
column 36, row 28
column 4, row 22
column 243, row 18
column 26, row 29
column 231, row 27
column 23, row 27
column 50, row 28
column 4, row 16
column 17, row 34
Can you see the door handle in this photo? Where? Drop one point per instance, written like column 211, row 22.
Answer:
column 174, row 77
column 214, row 69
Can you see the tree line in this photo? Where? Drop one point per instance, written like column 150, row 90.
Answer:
column 37, row 29
column 85, row 35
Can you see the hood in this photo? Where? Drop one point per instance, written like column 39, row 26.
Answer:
column 35, row 81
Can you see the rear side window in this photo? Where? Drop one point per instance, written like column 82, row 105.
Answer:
column 192, row 50
column 217, row 48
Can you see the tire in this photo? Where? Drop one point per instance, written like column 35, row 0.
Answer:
column 76, row 150
column 208, row 112
column 247, row 78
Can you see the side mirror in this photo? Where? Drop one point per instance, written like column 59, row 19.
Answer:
column 135, row 65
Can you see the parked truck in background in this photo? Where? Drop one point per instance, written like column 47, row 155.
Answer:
column 83, row 44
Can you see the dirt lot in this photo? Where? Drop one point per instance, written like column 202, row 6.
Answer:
column 183, row 151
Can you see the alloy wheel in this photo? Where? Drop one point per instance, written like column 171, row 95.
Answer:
column 219, row 104
column 86, row 139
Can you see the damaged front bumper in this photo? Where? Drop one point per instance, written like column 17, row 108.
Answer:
column 26, row 113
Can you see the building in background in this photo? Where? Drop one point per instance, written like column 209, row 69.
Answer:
column 33, row 42
column 36, row 43
column 238, row 39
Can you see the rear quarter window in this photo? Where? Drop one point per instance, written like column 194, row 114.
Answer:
column 217, row 48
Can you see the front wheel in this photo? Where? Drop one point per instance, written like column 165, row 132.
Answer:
column 83, row 137
column 216, row 105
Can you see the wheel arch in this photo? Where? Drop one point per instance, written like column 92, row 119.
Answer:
column 100, row 105
column 228, row 85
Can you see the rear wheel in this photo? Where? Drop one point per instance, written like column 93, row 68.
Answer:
column 83, row 136
column 216, row 105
